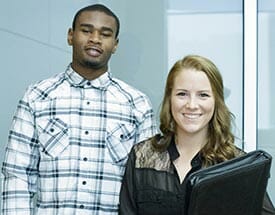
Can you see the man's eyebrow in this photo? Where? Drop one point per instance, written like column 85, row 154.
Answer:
column 86, row 25
column 104, row 28
column 107, row 29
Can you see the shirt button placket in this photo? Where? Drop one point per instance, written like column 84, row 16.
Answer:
column 84, row 165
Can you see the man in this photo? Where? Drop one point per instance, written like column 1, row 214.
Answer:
column 72, row 133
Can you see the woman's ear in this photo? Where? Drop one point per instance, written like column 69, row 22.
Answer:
column 70, row 37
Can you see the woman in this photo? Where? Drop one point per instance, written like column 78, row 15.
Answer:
column 196, row 132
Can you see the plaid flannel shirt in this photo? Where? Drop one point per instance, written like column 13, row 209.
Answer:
column 69, row 143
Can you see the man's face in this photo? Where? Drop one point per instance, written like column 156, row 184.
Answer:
column 93, row 40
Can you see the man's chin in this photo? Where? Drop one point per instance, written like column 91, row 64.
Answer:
column 92, row 64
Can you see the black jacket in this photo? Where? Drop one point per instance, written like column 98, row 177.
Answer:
column 151, row 184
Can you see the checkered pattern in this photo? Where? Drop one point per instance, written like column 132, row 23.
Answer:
column 69, row 142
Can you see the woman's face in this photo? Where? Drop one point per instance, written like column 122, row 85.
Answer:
column 192, row 102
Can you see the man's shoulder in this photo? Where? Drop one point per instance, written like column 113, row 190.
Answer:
column 127, row 88
column 44, row 86
column 129, row 93
column 56, row 78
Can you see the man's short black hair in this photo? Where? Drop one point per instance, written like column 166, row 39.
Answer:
column 101, row 8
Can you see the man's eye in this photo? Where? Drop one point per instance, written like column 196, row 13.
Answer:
column 85, row 30
column 106, row 34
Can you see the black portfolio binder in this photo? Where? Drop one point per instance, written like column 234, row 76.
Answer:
column 234, row 187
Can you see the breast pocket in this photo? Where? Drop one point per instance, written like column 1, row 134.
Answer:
column 53, row 136
column 120, row 139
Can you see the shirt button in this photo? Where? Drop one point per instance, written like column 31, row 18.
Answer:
column 86, row 132
column 81, row 206
column 52, row 130
column 88, row 83
column 85, row 159
column 88, row 103
column 121, row 136
column 84, row 182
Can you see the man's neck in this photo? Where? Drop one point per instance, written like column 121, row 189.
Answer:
column 89, row 73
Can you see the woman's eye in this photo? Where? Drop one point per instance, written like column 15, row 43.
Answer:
column 204, row 95
column 181, row 94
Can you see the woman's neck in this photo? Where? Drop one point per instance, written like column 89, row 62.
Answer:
column 190, row 144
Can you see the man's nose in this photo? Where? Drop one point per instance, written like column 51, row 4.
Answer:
column 95, row 37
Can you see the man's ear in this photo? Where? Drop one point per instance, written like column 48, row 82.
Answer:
column 115, row 46
column 70, row 37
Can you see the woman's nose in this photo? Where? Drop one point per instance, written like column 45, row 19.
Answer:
column 192, row 102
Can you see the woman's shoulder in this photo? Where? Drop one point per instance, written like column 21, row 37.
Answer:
column 238, row 151
column 147, row 156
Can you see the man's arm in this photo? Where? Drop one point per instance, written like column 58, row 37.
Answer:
column 147, row 127
column 20, row 163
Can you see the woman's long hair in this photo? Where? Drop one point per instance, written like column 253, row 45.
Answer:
column 220, row 143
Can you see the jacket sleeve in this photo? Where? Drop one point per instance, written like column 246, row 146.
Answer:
column 268, row 208
column 127, row 205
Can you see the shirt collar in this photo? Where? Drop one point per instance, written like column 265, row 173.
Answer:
column 174, row 154
column 173, row 151
column 77, row 80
